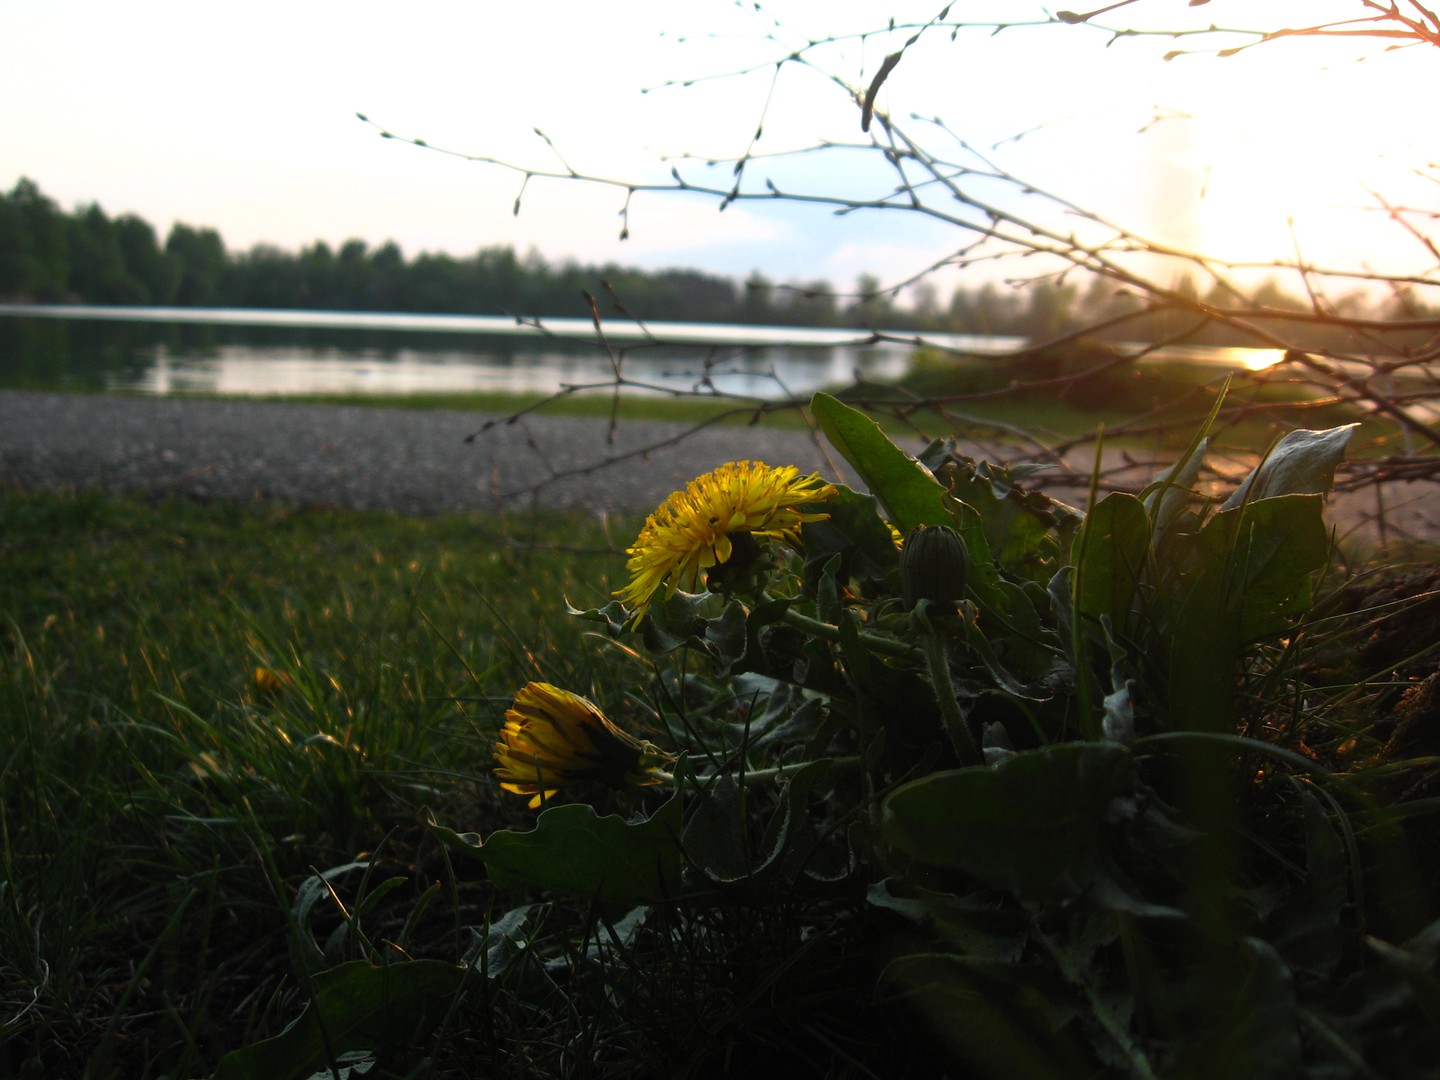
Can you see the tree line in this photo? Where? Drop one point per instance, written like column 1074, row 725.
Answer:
column 48, row 255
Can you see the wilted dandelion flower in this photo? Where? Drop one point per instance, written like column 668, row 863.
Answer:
column 697, row 529
column 553, row 738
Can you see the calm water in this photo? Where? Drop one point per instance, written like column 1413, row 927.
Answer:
column 176, row 351
column 240, row 352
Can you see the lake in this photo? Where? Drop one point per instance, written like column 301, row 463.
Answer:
column 241, row 352
column 297, row 353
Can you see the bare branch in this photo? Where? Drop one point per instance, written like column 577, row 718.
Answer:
column 1376, row 365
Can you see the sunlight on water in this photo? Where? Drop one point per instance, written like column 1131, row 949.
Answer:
column 1260, row 359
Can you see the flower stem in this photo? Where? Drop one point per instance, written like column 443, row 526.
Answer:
column 777, row 772
column 955, row 726
column 874, row 642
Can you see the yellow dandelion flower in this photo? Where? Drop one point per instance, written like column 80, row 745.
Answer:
column 268, row 681
column 696, row 529
column 553, row 738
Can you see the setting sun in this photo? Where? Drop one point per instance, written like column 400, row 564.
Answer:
column 1297, row 159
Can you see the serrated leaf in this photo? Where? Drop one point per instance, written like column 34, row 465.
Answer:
column 574, row 850
column 974, row 926
column 1032, row 824
column 613, row 615
column 1023, row 529
column 1119, row 712
column 855, row 531
column 727, row 638
column 715, row 836
column 910, row 495
column 674, row 622
column 502, row 943
column 717, row 843
column 358, row 1005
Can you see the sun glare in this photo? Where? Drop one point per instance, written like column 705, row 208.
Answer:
column 1299, row 165
column 1260, row 359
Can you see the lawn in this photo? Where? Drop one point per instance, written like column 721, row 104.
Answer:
column 1145, row 794
column 203, row 702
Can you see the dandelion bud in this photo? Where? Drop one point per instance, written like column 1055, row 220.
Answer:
column 933, row 564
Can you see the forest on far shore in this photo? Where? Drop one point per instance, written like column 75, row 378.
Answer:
column 48, row 255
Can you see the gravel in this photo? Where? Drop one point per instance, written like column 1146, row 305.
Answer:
column 416, row 461
column 362, row 457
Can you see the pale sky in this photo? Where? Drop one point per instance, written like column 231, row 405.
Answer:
column 242, row 117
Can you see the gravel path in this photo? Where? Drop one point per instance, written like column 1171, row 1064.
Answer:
column 365, row 458
column 419, row 461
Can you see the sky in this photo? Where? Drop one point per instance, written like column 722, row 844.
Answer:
column 243, row 118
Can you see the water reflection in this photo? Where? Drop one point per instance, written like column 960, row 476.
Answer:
column 162, row 358
column 180, row 351
column 244, row 370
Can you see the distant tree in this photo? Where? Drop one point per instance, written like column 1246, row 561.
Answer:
column 757, row 304
column 925, row 304
column 48, row 255
column 387, row 268
column 264, row 276
column 1103, row 299
column 813, row 304
column 560, row 289
column 318, row 279
column 201, row 263
column 1050, row 309
column 97, row 262
column 34, row 245
column 145, row 261
column 353, row 276
column 872, row 306
column 992, row 311
column 432, row 284
column 499, row 281
column 388, row 260
column 694, row 296
column 15, row 252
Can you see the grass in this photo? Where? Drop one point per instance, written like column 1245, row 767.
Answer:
column 223, row 729
column 162, row 800
column 1170, row 398
column 631, row 405
column 1159, row 402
